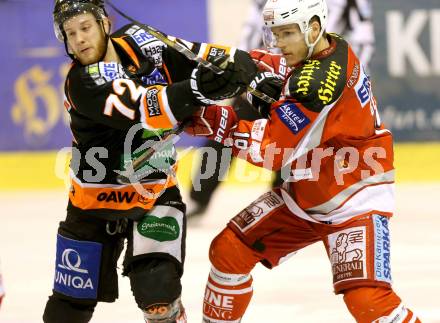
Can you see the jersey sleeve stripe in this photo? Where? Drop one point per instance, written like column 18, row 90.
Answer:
column 378, row 199
column 166, row 110
column 167, row 73
column 337, row 200
column 121, row 42
column 68, row 94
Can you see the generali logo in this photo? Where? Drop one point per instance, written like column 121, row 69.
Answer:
column 348, row 255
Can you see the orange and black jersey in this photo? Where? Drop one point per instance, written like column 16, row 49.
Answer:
column 326, row 135
column 107, row 99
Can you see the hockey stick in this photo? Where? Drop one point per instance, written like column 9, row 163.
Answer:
column 186, row 52
column 130, row 176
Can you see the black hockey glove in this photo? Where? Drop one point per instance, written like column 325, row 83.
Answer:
column 209, row 87
column 205, row 87
column 268, row 83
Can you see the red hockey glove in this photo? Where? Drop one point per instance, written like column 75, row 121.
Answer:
column 213, row 121
column 267, row 61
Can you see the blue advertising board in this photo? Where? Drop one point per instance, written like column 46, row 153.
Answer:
column 406, row 67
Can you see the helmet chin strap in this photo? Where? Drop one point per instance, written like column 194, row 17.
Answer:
column 106, row 39
column 312, row 45
column 66, row 47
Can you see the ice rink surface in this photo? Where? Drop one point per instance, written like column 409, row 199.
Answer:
column 300, row 290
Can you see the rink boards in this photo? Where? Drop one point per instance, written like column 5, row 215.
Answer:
column 414, row 162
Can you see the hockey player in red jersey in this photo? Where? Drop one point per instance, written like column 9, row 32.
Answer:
column 119, row 84
column 326, row 132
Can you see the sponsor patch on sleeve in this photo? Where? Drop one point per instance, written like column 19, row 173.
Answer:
column 153, row 106
column 258, row 128
column 155, row 110
column 363, row 88
column 104, row 72
column 215, row 52
column 155, row 77
column 141, row 37
column 292, row 117
column 150, row 45
column 211, row 51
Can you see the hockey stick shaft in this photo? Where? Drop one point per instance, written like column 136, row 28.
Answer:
column 150, row 151
column 186, row 52
column 147, row 154
column 162, row 37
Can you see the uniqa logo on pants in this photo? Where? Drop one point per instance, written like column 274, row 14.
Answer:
column 71, row 262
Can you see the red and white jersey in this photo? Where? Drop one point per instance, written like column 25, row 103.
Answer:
column 326, row 136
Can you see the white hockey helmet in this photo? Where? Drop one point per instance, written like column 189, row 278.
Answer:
column 285, row 12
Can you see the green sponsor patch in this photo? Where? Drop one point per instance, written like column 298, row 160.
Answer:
column 93, row 69
column 160, row 229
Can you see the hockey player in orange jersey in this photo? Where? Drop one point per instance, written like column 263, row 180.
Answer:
column 339, row 188
column 127, row 89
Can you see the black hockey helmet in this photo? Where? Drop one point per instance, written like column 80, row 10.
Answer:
column 66, row 9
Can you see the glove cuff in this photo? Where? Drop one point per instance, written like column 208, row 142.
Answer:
column 181, row 99
column 198, row 96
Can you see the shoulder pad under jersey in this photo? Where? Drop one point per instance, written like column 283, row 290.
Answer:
column 320, row 82
column 150, row 46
